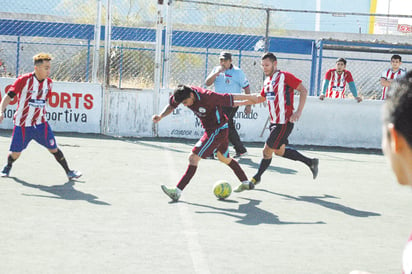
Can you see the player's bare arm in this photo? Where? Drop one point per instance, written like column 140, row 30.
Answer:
column 303, row 94
column 166, row 111
column 4, row 103
column 386, row 82
column 212, row 76
column 248, row 108
column 247, row 99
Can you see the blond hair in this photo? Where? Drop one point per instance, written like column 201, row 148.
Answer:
column 40, row 57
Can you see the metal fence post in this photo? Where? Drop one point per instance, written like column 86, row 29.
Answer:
column 158, row 62
column 96, row 50
column 18, row 56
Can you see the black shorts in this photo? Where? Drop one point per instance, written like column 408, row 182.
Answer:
column 279, row 134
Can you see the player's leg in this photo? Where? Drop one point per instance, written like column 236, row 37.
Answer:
column 19, row 142
column 278, row 135
column 202, row 149
column 45, row 137
column 233, row 134
column 223, row 155
column 295, row 155
column 264, row 163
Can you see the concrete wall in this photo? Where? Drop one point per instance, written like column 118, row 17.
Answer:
column 339, row 122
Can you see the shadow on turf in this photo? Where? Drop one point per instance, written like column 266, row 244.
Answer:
column 320, row 200
column 65, row 191
column 249, row 162
column 248, row 214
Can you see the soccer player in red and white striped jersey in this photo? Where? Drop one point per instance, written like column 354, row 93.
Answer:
column 335, row 81
column 278, row 91
column 33, row 91
column 391, row 74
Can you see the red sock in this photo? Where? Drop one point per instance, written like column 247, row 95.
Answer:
column 238, row 170
column 191, row 170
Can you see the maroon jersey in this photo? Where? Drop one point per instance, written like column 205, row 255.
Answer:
column 208, row 107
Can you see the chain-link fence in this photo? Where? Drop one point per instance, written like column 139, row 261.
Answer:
column 200, row 30
column 66, row 29
column 58, row 27
column 218, row 24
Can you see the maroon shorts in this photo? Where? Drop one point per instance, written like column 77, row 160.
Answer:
column 212, row 141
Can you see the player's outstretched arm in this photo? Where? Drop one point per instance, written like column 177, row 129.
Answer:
column 166, row 111
column 247, row 99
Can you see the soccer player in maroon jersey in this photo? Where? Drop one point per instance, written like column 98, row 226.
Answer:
column 397, row 144
column 278, row 91
column 334, row 85
column 33, row 90
column 207, row 106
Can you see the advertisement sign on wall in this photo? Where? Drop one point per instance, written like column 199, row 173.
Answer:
column 73, row 107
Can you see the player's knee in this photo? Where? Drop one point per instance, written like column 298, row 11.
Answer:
column 194, row 159
column 279, row 152
column 15, row 155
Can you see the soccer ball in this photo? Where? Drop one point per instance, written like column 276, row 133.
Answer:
column 222, row 189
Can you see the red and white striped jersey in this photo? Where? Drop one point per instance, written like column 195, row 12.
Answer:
column 337, row 83
column 389, row 74
column 32, row 97
column 279, row 92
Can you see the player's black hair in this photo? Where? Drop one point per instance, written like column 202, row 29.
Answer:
column 397, row 57
column 269, row 55
column 181, row 93
column 343, row 60
column 398, row 107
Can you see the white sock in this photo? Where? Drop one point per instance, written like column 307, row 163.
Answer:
column 178, row 191
column 245, row 182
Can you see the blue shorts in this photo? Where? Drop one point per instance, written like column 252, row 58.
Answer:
column 22, row 136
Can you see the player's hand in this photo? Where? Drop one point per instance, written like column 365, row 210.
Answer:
column 156, row 118
column 248, row 109
column 358, row 99
column 322, row 96
column 221, row 69
column 1, row 117
column 295, row 117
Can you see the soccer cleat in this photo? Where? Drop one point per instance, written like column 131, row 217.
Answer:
column 6, row 171
column 73, row 174
column 314, row 167
column 239, row 155
column 255, row 181
column 243, row 186
column 171, row 192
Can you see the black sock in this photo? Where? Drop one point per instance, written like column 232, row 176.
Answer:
column 10, row 160
column 264, row 164
column 296, row 156
column 62, row 161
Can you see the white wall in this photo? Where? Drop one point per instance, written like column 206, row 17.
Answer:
column 77, row 107
column 339, row 122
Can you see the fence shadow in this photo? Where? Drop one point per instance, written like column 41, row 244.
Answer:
column 65, row 192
